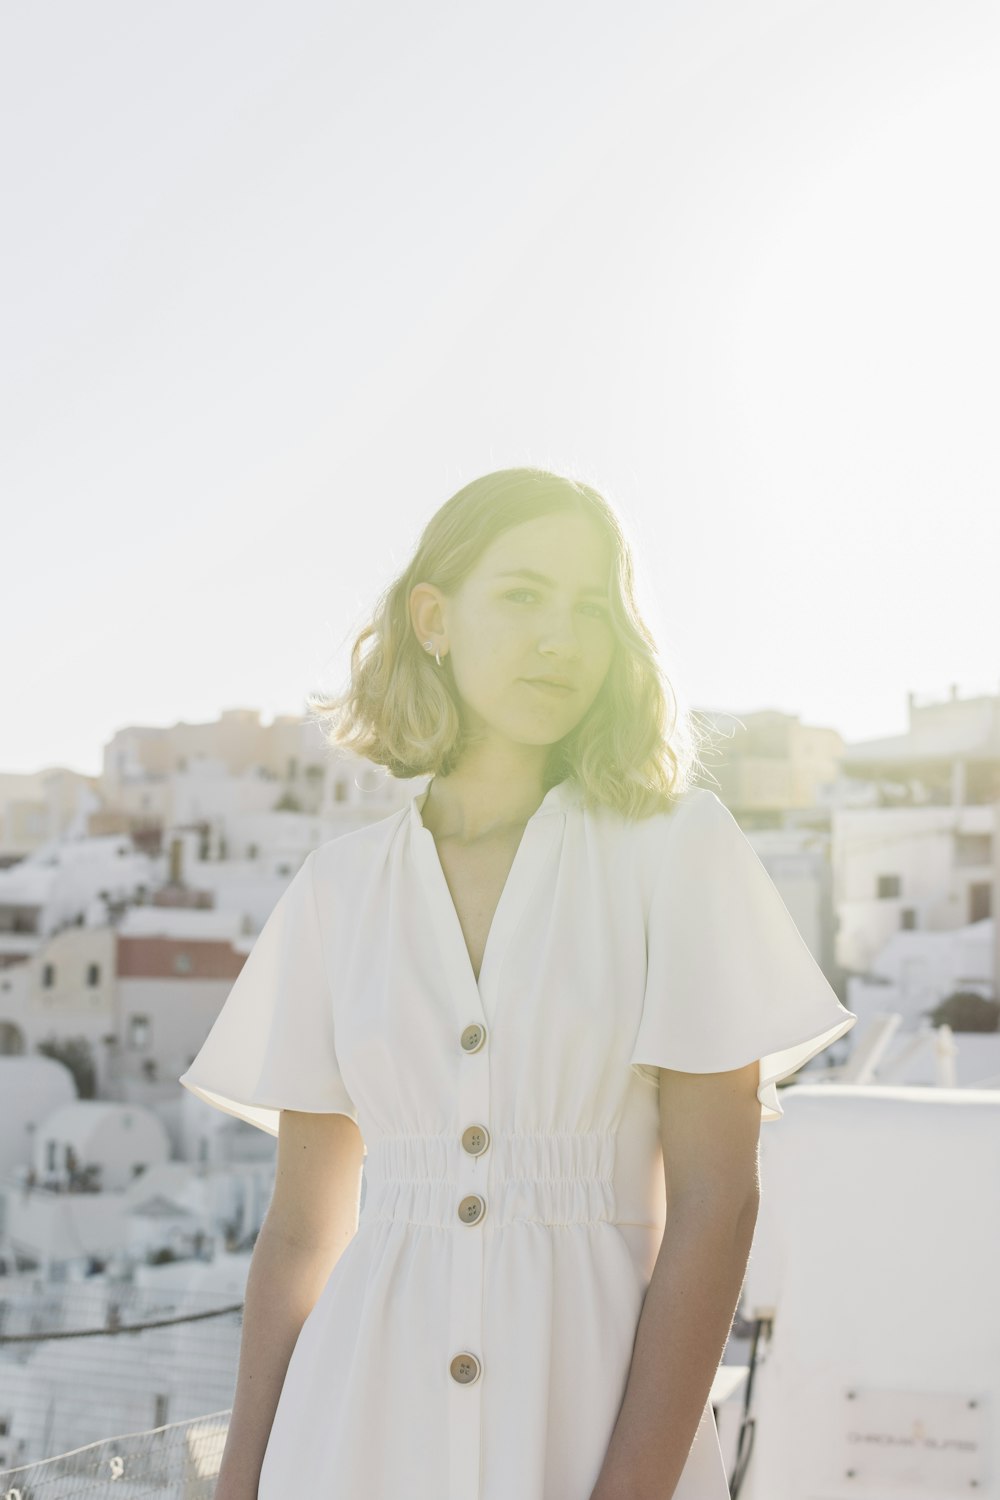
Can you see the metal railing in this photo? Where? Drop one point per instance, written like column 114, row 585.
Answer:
column 79, row 1362
column 180, row 1461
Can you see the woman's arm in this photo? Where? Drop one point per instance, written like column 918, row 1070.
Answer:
column 710, row 1124
column 311, row 1219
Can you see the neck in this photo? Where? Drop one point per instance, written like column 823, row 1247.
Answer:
column 466, row 807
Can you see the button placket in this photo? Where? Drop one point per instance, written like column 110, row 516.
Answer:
column 474, row 1001
column 467, row 1368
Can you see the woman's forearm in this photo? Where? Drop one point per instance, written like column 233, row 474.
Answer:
column 681, row 1335
column 283, row 1285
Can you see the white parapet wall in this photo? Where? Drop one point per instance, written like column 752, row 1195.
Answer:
column 877, row 1251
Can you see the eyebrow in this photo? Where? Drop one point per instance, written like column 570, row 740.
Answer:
column 549, row 582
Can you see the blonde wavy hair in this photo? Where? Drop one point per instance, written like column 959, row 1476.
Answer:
column 635, row 750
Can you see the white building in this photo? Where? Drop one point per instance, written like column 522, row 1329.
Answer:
column 924, row 856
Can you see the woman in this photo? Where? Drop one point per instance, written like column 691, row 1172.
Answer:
column 551, row 995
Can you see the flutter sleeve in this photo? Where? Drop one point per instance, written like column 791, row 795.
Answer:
column 729, row 977
column 272, row 1045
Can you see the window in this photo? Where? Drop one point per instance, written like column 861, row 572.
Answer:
column 980, row 900
column 139, row 1033
column 973, row 849
column 889, row 887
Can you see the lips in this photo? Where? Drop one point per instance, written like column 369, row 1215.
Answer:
column 552, row 688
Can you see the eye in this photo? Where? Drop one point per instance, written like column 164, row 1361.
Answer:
column 602, row 613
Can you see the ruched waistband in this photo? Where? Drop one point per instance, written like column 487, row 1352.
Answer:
column 538, row 1178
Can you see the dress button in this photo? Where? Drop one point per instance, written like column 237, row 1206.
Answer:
column 472, row 1209
column 475, row 1139
column 473, row 1037
column 465, row 1368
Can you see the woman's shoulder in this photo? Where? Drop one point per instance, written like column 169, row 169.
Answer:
column 695, row 802
column 693, row 818
column 359, row 848
column 696, row 815
column 629, row 846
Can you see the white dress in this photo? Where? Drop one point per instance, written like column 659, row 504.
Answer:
column 474, row 1339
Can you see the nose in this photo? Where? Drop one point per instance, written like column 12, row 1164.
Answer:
column 561, row 639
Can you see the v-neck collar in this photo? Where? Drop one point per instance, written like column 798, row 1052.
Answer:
column 540, row 834
column 556, row 799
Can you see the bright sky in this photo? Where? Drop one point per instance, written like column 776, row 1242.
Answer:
column 281, row 277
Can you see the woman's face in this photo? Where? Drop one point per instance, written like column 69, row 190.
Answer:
column 503, row 628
